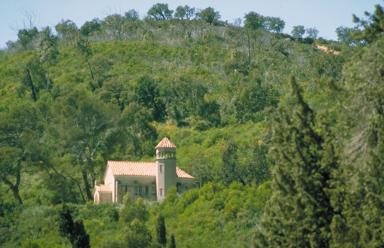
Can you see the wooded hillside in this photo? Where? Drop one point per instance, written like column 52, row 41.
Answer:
column 257, row 115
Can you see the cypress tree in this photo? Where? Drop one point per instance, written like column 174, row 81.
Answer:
column 364, row 205
column 161, row 231
column 80, row 237
column 367, row 219
column 172, row 243
column 65, row 223
column 299, row 212
column 230, row 171
column 337, row 191
column 73, row 231
column 362, row 222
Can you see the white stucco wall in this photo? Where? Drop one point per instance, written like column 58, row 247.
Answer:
column 109, row 180
column 165, row 176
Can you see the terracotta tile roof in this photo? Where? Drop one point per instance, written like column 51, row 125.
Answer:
column 182, row 174
column 133, row 168
column 165, row 143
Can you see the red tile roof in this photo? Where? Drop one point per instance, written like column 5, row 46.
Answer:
column 133, row 168
column 165, row 143
column 182, row 174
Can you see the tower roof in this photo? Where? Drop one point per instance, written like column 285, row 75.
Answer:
column 165, row 143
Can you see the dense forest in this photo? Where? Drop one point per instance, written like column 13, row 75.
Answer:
column 283, row 132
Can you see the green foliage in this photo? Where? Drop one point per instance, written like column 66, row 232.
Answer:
column 81, row 238
column 372, row 28
column 73, row 230
column 252, row 100
column 67, row 30
column 184, row 12
column 161, row 232
column 26, row 37
column 48, row 46
column 90, row 27
column 362, row 212
column 65, row 223
column 34, row 79
column 84, row 126
column 35, row 225
column 186, row 99
column 109, row 89
column 236, row 62
column 300, row 211
column 274, row 24
column 209, row 15
column 141, row 136
column 160, row 11
column 115, row 23
column 345, row 35
column 20, row 132
column 256, row 21
column 147, row 94
column 137, row 235
column 172, row 242
column 298, row 31
column 253, row 20
column 214, row 215
column 230, row 159
column 133, row 210
column 132, row 15
column 312, row 33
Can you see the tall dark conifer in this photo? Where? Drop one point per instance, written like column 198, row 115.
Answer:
column 65, row 222
column 80, row 236
column 364, row 205
column 73, row 231
column 299, row 212
column 161, row 231
column 172, row 243
column 372, row 225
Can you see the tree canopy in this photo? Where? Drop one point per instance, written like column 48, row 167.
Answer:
column 210, row 15
column 160, row 11
column 277, row 162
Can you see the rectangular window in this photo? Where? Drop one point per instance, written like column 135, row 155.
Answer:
column 161, row 192
column 146, row 190
column 154, row 189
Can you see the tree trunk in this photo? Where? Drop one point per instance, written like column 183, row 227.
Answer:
column 47, row 82
column 90, row 70
column 249, row 50
column 31, row 85
column 15, row 190
column 78, row 184
column 95, row 83
column 87, row 186
column 16, row 194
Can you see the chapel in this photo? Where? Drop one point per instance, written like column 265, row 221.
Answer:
column 149, row 180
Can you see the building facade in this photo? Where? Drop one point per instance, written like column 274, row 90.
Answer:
column 149, row 180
